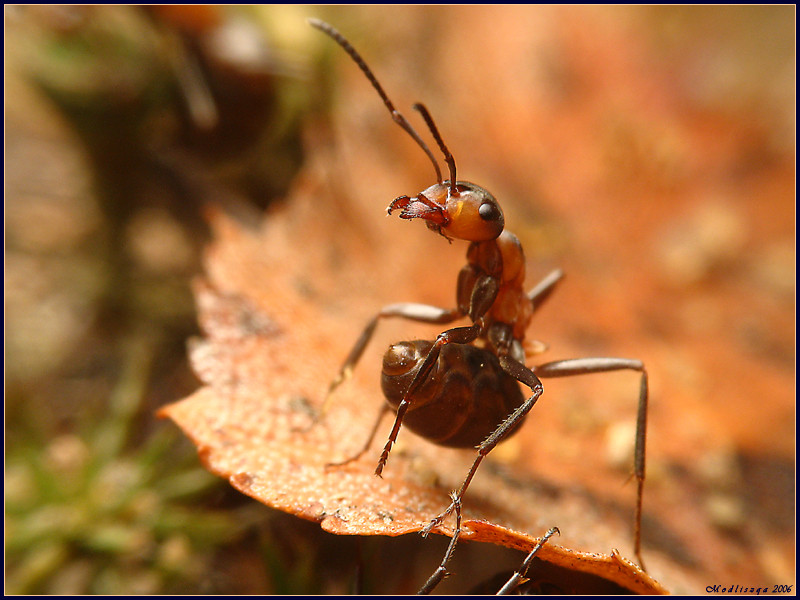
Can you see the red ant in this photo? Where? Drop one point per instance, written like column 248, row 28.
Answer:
column 461, row 389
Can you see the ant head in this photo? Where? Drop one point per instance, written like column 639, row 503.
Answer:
column 455, row 209
column 469, row 213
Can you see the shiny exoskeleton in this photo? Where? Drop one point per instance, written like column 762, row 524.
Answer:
column 467, row 393
column 465, row 390
column 462, row 389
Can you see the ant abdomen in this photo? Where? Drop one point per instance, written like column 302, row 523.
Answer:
column 464, row 398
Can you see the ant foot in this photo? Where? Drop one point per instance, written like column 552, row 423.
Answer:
column 379, row 468
column 455, row 505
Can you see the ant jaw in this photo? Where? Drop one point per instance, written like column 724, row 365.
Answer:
column 421, row 207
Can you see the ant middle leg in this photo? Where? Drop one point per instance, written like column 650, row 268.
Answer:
column 367, row 444
column 582, row 366
column 423, row 313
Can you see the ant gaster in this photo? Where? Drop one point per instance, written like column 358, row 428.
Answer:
column 461, row 389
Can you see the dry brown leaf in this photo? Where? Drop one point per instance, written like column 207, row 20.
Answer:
column 673, row 219
column 270, row 347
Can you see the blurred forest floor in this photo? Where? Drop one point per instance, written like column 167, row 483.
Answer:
column 647, row 151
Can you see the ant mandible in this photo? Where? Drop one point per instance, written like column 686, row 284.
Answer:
column 461, row 389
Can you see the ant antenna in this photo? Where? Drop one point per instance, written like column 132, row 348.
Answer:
column 448, row 158
column 396, row 116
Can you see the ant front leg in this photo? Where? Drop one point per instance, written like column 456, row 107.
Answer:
column 523, row 374
column 457, row 335
column 422, row 313
column 582, row 366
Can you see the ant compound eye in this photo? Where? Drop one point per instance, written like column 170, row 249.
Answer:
column 488, row 211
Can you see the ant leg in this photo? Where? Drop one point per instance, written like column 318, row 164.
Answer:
column 441, row 571
column 518, row 576
column 409, row 310
column 412, row 311
column 581, row 366
column 367, row 444
column 523, row 374
column 542, row 290
column 457, row 335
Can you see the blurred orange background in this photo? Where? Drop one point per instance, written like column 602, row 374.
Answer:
column 647, row 151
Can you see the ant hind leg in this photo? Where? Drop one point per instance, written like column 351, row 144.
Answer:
column 523, row 374
column 518, row 578
column 441, row 571
column 583, row 366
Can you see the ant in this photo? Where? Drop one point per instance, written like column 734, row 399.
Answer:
column 461, row 389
